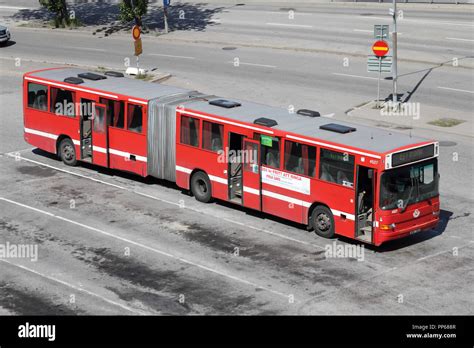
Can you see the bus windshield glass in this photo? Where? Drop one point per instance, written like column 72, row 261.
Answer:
column 409, row 184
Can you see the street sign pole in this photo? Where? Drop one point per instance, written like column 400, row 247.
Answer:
column 377, row 105
column 166, row 3
column 394, row 54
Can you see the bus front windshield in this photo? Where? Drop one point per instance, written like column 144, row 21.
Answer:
column 409, row 184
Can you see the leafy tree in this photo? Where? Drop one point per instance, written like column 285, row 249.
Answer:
column 133, row 10
column 59, row 8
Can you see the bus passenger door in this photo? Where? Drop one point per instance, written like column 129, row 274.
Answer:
column 100, row 144
column 365, row 207
column 251, row 174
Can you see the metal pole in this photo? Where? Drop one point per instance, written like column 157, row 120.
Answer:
column 394, row 44
column 138, row 66
column 377, row 105
column 165, row 15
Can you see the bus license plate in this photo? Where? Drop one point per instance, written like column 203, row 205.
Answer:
column 415, row 231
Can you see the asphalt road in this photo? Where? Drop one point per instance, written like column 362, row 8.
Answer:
column 112, row 243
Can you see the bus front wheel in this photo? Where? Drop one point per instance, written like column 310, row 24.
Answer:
column 201, row 187
column 67, row 151
column 322, row 221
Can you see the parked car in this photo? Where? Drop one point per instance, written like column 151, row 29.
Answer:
column 4, row 34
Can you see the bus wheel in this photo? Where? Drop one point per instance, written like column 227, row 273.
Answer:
column 322, row 222
column 67, row 151
column 201, row 187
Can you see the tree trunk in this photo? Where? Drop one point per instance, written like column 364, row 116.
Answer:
column 64, row 13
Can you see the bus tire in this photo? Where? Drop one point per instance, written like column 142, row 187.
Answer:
column 201, row 187
column 322, row 221
column 67, row 152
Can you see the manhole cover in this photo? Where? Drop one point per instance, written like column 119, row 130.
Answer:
column 447, row 143
column 229, row 48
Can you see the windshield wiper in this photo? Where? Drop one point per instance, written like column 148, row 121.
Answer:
column 404, row 207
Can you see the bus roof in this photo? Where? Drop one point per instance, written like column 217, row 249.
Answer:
column 364, row 137
column 121, row 85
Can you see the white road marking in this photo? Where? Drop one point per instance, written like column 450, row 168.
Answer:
column 420, row 21
column 358, row 76
column 12, row 154
column 170, row 56
column 286, row 13
column 2, row 7
column 254, row 64
column 74, row 287
column 85, row 48
column 371, row 31
column 458, row 39
column 456, row 89
column 291, row 25
column 157, row 251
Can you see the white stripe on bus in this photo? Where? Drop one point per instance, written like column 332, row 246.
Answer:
column 333, row 146
column 184, row 170
column 217, row 179
column 41, row 134
column 71, row 87
column 183, row 111
column 251, row 190
column 270, row 194
column 137, row 101
column 95, row 148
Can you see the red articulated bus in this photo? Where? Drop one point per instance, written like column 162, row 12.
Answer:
column 339, row 178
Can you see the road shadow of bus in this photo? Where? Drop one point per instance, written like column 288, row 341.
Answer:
column 445, row 215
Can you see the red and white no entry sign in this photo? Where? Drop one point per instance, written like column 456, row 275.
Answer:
column 380, row 48
column 136, row 32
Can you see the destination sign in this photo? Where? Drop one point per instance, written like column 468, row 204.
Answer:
column 412, row 155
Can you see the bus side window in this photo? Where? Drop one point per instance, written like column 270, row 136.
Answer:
column 270, row 152
column 37, row 96
column 189, row 131
column 212, row 134
column 62, row 102
column 135, row 118
column 300, row 158
column 115, row 112
column 336, row 167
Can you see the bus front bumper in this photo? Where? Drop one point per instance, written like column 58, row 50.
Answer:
column 385, row 236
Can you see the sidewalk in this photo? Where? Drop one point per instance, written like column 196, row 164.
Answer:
column 417, row 115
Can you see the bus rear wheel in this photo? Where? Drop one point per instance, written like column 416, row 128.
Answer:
column 201, row 187
column 67, row 152
column 322, row 221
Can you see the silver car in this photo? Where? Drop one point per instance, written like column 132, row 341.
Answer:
column 4, row 34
